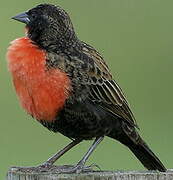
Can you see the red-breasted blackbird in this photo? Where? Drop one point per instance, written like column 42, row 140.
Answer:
column 66, row 85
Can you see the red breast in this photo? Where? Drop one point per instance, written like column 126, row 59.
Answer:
column 42, row 92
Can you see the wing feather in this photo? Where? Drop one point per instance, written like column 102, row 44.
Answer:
column 105, row 90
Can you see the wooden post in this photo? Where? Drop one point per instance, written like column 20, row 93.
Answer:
column 17, row 173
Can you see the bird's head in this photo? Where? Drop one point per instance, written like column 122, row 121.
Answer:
column 48, row 25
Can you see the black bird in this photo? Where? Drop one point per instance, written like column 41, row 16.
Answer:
column 66, row 85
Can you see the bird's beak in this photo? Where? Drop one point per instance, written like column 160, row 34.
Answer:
column 23, row 17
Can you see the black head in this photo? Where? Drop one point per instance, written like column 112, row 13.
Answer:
column 48, row 25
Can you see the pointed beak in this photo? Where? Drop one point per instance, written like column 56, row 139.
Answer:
column 23, row 17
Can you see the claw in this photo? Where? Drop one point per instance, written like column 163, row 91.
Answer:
column 94, row 166
column 44, row 167
column 77, row 169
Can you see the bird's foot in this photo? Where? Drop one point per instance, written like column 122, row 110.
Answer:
column 45, row 167
column 79, row 168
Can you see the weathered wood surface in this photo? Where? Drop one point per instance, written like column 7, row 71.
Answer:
column 16, row 173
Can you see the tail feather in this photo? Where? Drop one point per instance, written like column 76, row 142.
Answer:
column 147, row 157
column 140, row 149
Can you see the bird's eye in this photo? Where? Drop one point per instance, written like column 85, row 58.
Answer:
column 33, row 16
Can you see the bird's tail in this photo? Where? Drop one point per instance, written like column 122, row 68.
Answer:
column 147, row 157
column 141, row 151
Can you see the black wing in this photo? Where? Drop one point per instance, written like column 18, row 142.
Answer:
column 105, row 90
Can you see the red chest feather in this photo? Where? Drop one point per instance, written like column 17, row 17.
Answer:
column 42, row 92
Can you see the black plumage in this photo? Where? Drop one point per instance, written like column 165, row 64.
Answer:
column 96, row 106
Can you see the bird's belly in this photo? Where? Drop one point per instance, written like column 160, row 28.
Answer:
column 75, row 129
column 86, row 126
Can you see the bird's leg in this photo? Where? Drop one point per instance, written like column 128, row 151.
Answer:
column 91, row 149
column 56, row 156
column 80, row 165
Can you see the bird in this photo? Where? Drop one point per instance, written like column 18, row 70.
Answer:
column 66, row 85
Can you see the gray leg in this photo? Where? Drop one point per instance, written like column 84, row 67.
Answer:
column 89, row 152
column 80, row 165
column 52, row 159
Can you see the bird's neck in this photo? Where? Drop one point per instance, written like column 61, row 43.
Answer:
column 58, row 42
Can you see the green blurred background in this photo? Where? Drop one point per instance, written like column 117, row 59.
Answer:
column 136, row 39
